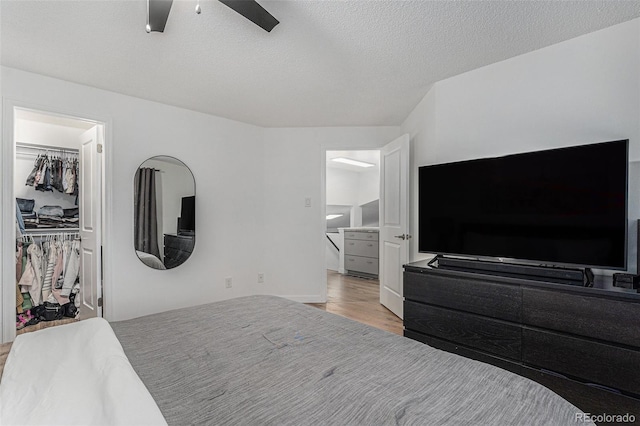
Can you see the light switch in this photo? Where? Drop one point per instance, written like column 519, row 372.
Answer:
column 307, row 202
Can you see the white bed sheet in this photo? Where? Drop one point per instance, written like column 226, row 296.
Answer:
column 150, row 260
column 75, row 374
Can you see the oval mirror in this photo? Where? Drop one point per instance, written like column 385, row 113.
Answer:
column 164, row 212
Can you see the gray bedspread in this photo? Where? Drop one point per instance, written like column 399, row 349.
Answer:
column 263, row 360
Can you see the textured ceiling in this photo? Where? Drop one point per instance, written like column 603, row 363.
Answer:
column 328, row 63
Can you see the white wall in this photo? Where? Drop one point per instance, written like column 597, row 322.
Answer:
column 353, row 188
column 580, row 91
column 421, row 126
column 251, row 185
column 225, row 158
column 294, row 164
column 368, row 185
column 342, row 187
column 347, row 187
column 333, row 255
column 30, row 131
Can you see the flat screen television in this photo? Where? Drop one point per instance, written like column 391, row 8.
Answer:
column 187, row 222
column 564, row 207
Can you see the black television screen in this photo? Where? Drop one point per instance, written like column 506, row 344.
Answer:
column 565, row 206
column 188, row 214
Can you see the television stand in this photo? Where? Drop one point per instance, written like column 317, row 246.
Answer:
column 578, row 277
column 583, row 343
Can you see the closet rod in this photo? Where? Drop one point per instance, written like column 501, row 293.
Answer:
column 46, row 147
column 49, row 234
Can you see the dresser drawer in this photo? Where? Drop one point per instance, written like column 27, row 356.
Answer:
column 612, row 320
column 177, row 249
column 595, row 362
column 367, row 265
column 179, row 242
column 361, row 248
column 496, row 337
column 361, row 235
column 482, row 297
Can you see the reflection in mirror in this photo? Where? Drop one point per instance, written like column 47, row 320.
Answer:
column 164, row 212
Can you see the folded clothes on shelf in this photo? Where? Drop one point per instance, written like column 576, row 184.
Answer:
column 25, row 205
column 55, row 211
column 72, row 212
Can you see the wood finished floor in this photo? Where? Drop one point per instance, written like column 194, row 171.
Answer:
column 358, row 299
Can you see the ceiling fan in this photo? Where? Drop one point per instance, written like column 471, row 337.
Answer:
column 158, row 13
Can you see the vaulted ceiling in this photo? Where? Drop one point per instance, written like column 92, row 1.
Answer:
column 328, row 63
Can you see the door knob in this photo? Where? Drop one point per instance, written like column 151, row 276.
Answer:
column 403, row 236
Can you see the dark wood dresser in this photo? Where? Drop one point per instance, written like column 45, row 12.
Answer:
column 177, row 249
column 583, row 343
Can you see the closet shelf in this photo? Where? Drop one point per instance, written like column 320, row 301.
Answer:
column 30, row 231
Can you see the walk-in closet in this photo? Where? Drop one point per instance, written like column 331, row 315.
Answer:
column 57, row 188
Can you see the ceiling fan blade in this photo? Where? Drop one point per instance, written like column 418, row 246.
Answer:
column 158, row 12
column 253, row 12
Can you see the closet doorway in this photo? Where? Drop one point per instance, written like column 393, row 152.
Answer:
column 57, row 185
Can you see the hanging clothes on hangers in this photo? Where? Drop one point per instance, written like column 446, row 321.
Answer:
column 71, row 177
column 42, row 172
column 51, row 249
column 51, row 261
column 58, row 168
column 44, row 184
column 57, row 276
column 55, row 172
column 34, row 173
column 71, row 268
column 19, row 297
column 31, row 280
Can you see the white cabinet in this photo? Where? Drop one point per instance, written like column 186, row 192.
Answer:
column 361, row 252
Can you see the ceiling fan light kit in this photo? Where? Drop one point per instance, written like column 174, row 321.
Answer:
column 158, row 13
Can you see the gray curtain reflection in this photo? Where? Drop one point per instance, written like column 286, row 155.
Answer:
column 146, row 222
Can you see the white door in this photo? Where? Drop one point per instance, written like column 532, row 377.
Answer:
column 394, row 221
column 90, row 201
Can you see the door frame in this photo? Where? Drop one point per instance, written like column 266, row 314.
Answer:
column 7, row 224
column 323, row 205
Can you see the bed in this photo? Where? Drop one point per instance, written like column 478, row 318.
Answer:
column 150, row 260
column 264, row 360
